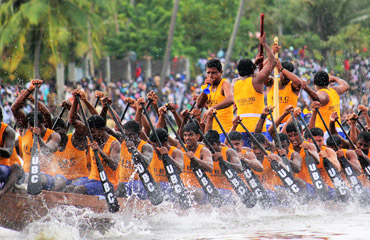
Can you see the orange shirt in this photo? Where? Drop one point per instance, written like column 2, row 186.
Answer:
column 72, row 162
column 111, row 174
column 323, row 172
column 13, row 158
column 216, row 176
column 156, row 167
column 304, row 174
column 268, row 177
column 188, row 175
column 48, row 164
column 127, row 170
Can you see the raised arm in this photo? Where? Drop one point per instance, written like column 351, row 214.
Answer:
column 342, row 84
column 312, row 122
column 278, row 121
column 19, row 115
column 44, row 111
column 262, row 119
column 258, row 80
column 313, row 95
column 90, row 107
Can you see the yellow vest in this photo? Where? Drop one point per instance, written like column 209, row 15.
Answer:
column 250, row 104
column 225, row 115
column 333, row 105
column 286, row 97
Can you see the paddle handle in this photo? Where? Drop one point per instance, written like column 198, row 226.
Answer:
column 204, row 138
column 345, row 133
column 275, row 129
column 175, row 132
column 59, row 117
column 223, row 130
column 125, row 111
column 327, row 129
column 96, row 102
column 309, row 132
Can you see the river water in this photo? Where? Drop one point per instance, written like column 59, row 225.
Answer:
column 314, row 221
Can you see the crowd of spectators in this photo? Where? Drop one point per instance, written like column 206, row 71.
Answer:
column 180, row 90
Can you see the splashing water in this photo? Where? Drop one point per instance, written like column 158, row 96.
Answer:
column 316, row 220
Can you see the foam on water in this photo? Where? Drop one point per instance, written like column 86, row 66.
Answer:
column 316, row 220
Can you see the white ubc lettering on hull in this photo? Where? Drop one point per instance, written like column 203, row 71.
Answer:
column 331, row 172
column 173, row 179
column 318, row 184
column 258, row 193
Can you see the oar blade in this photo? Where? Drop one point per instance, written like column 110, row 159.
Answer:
column 34, row 178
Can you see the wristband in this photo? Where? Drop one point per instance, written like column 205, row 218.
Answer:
column 29, row 90
column 263, row 116
column 281, row 69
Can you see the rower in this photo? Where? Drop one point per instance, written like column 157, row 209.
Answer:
column 228, row 155
column 245, row 154
column 11, row 171
column 274, row 187
column 303, row 175
column 129, row 180
column 109, row 152
column 47, row 138
column 196, row 152
column 71, row 154
column 156, row 165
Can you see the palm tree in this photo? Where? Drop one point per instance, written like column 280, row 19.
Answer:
column 48, row 27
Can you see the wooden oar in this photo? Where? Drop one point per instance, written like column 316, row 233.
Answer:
column 314, row 172
column 283, row 157
column 262, row 18
column 58, row 118
column 213, row 195
column 172, row 174
column 151, row 187
column 350, row 174
column 34, row 177
column 110, row 197
column 252, row 180
column 243, row 192
column 286, row 178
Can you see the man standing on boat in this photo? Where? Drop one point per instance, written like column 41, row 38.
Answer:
column 219, row 98
column 248, row 92
column 47, row 138
column 329, row 98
